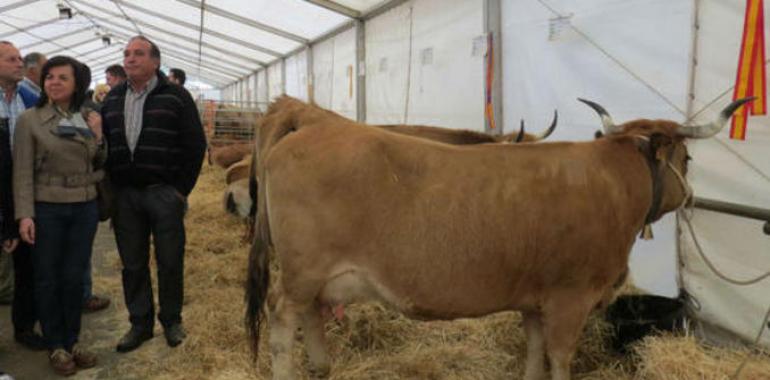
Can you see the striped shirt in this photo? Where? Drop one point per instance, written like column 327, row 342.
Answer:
column 134, row 108
column 11, row 111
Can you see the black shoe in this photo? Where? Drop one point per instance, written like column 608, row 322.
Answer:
column 174, row 334
column 133, row 339
column 30, row 340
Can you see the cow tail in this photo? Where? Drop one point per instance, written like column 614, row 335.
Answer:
column 257, row 283
column 252, row 217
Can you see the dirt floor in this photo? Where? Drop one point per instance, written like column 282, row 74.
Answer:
column 100, row 331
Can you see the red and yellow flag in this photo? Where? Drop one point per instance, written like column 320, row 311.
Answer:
column 751, row 79
column 489, row 107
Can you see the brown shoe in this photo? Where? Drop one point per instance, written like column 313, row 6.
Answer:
column 83, row 358
column 95, row 303
column 62, row 363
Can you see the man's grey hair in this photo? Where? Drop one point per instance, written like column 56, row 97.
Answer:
column 32, row 59
column 154, row 50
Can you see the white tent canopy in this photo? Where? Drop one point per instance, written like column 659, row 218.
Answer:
column 216, row 41
column 425, row 62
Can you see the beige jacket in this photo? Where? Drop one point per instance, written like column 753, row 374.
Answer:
column 52, row 168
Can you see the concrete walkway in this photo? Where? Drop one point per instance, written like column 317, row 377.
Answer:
column 100, row 331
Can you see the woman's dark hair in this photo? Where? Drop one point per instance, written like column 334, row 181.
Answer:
column 82, row 80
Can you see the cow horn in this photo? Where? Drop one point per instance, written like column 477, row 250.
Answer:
column 707, row 130
column 607, row 123
column 550, row 129
column 520, row 136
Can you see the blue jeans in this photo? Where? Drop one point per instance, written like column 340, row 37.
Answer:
column 88, row 283
column 64, row 236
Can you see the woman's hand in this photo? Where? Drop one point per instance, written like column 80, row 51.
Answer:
column 95, row 124
column 10, row 245
column 27, row 230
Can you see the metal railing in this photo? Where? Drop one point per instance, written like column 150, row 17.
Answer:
column 228, row 124
column 761, row 214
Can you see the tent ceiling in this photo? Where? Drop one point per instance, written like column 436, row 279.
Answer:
column 216, row 41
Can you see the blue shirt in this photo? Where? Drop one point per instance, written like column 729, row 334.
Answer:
column 31, row 86
column 11, row 110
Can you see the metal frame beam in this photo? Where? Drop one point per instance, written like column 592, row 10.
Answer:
column 382, row 9
column 17, row 4
column 195, row 28
column 336, row 8
column 245, row 21
column 108, row 60
column 360, row 72
column 30, row 27
column 167, row 48
column 98, row 58
column 44, row 39
column 161, row 30
column 208, row 76
column 70, row 33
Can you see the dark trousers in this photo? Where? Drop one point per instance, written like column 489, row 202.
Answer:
column 157, row 211
column 23, row 310
column 63, row 242
column 88, row 283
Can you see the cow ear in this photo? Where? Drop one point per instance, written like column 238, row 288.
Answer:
column 658, row 144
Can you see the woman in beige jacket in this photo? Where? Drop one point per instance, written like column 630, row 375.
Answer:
column 58, row 152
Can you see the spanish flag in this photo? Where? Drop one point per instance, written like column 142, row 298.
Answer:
column 751, row 78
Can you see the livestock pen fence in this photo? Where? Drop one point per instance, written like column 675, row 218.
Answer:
column 229, row 122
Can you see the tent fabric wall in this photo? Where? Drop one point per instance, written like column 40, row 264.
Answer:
column 643, row 50
column 543, row 70
column 732, row 171
column 296, row 76
column 253, row 86
column 275, row 87
column 422, row 67
column 334, row 72
column 262, row 90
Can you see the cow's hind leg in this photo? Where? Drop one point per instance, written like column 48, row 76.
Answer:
column 283, row 326
column 564, row 317
column 533, row 328
column 313, row 336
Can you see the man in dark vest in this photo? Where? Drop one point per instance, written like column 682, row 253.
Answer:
column 156, row 147
column 15, row 99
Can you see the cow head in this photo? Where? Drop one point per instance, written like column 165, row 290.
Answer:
column 663, row 143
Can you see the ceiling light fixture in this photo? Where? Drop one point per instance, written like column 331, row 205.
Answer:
column 65, row 12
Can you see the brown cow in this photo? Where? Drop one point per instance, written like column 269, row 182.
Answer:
column 467, row 137
column 445, row 135
column 441, row 232
column 224, row 156
column 238, row 170
column 236, row 198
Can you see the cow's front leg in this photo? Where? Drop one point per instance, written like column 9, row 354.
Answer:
column 283, row 325
column 533, row 328
column 315, row 344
